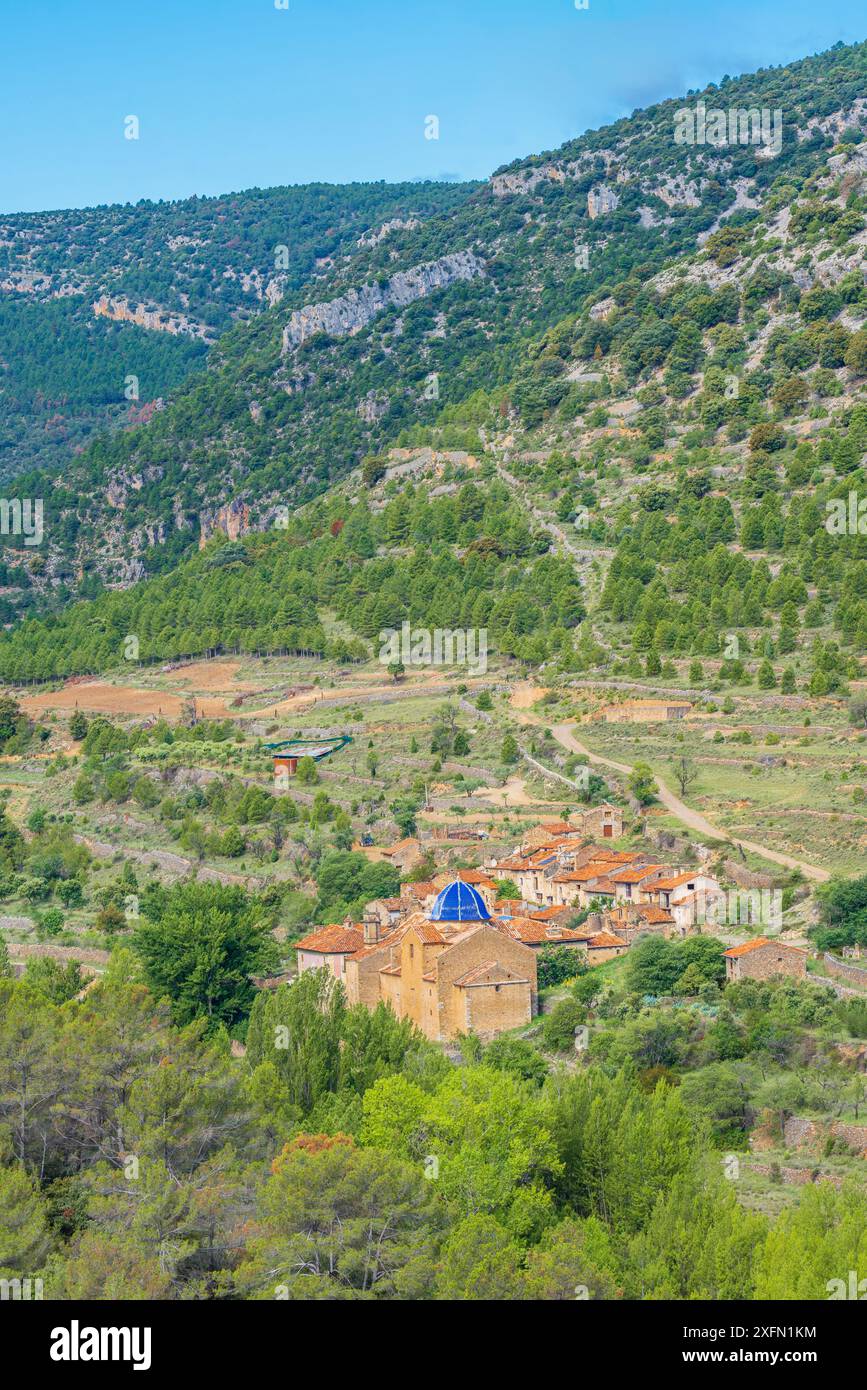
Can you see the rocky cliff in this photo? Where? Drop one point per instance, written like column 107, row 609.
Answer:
column 121, row 311
column 353, row 311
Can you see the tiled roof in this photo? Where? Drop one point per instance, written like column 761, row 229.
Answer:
column 590, row 871
column 425, row 889
column 470, row 976
column 459, row 902
column 653, row 914
column 602, row 885
column 634, row 875
column 757, row 944
column 428, row 931
column 533, row 933
column 332, row 941
column 408, row 843
column 676, row 880
column 390, row 939
column 603, row 941
column 489, row 972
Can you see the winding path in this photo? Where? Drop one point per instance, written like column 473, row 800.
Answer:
column 563, row 734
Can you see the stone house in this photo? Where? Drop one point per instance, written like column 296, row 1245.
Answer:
column 404, row 855
column 329, row 947
column 603, row 822
column 605, row 946
column 628, row 920
column 665, row 891
column 762, row 959
column 692, row 911
column 632, row 881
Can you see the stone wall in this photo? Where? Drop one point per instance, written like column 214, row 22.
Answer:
column 744, row 878
column 91, row 960
column 843, row 970
column 797, row 1176
column 801, row 1133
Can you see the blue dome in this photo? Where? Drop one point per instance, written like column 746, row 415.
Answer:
column 459, row 902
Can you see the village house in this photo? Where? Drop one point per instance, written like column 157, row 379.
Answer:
column 604, row 822
column 628, row 920
column 605, row 946
column 416, row 895
column 328, row 947
column 696, row 909
column 570, row 885
column 529, row 875
column 405, row 855
column 535, row 933
column 670, row 888
column 631, row 881
column 762, row 959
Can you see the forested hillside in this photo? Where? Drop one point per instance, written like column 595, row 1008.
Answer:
column 185, row 271
column 683, row 427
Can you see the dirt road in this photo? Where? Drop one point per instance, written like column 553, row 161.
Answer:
column 694, row 819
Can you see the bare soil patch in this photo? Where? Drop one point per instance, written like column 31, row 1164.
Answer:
column 212, row 675
column 525, row 695
column 102, row 698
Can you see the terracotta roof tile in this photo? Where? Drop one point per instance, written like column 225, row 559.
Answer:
column 603, row 941
column 403, row 844
column 757, row 944
column 634, row 875
column 533, row 933
column 677, row 879
column 489, row 971
column 653, row 914
column 425, row 889
column 333, row 940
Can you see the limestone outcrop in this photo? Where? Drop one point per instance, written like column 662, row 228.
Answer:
column 353, row 311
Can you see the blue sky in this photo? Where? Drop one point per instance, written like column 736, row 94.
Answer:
column 236, row 93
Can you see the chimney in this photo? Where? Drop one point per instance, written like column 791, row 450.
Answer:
column 370, row 926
